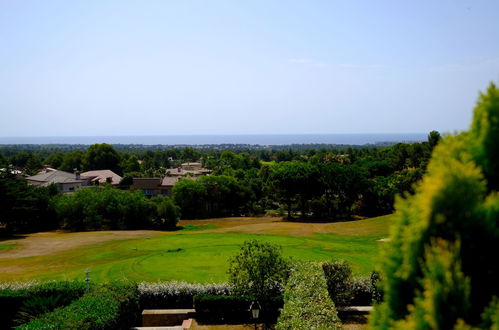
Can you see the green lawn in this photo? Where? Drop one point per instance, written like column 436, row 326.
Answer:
column 193, row 256
column 6, row 247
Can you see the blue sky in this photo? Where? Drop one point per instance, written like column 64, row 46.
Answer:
column 243, row 67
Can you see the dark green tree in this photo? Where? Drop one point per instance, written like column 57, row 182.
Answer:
column 72, row 160
column 293, row 182
column 190, row 196
column 168, row 214
column 54, row 160
column 433, row 139
column 102, row 157
column 131, row 164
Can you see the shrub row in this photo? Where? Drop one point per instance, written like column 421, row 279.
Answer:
column 307, row 304
column 236, row 308
column 23, row 301
column 112, row 306
column 177, row 294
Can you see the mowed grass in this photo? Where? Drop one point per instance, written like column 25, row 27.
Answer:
column 5, row 247
column 200, row 254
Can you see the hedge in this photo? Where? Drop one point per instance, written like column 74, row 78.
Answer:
column 235, row 308
column 338, row 274
column 307, row 304
column 346, row 290
column 14, row 297
column 171, row 295
column 111, row 306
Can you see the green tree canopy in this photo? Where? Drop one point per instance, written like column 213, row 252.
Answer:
column 440, row 267
column 102, row 157
column 258, row 270
column 72, row 160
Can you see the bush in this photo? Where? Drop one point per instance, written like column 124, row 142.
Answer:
column 164, row 295
column 438, row 265
column 113, row 306
column 339, row 281
column 235, row 308
column 23, row 301
column 307, row 304
column 25, row 208
column 258, row 270
column 362, row 291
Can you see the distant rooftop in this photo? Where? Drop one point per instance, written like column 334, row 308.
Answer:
column 102, row 175
column 49, row 176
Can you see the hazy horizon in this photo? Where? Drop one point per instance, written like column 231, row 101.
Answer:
column 217, row 139
column 155, row 68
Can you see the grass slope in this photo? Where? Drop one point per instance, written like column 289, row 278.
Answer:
column 200, row 253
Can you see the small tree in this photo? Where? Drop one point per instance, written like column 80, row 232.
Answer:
column 258, row 270
column 168, row 213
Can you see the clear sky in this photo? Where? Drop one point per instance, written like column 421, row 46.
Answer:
column 243, row 67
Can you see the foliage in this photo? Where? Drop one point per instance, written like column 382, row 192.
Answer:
column 168, row 214
column 258, row 270
column 444, row 298
column 177, row 294
column 10, row 303
column 24, row 301
column 96, row 208
column 293, row 182
column 113, row 306
column 338, row 275
column 25, row 207
column 307, row 304
column 211, row 196
column 102, row 156
column 38, row 305
column 312, row 181
column 72, row 161
column 454, row 211
column 362, row 291
column 346, row 290
column 490, row 316
column 377, row 290
column 189, row 195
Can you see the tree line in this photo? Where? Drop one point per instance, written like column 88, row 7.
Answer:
column 317, row 184
column 27, row 208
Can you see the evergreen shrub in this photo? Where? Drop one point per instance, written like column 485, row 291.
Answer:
column 111, row 306
column 307, row 304
column 439, row 270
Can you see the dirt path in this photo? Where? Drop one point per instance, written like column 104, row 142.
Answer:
column 53, row 242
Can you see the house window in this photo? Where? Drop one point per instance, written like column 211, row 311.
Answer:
column 71, row 188
column 164, row 192
column 148, row 192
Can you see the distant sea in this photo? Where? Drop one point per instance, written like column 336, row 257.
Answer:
column 256, row 139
